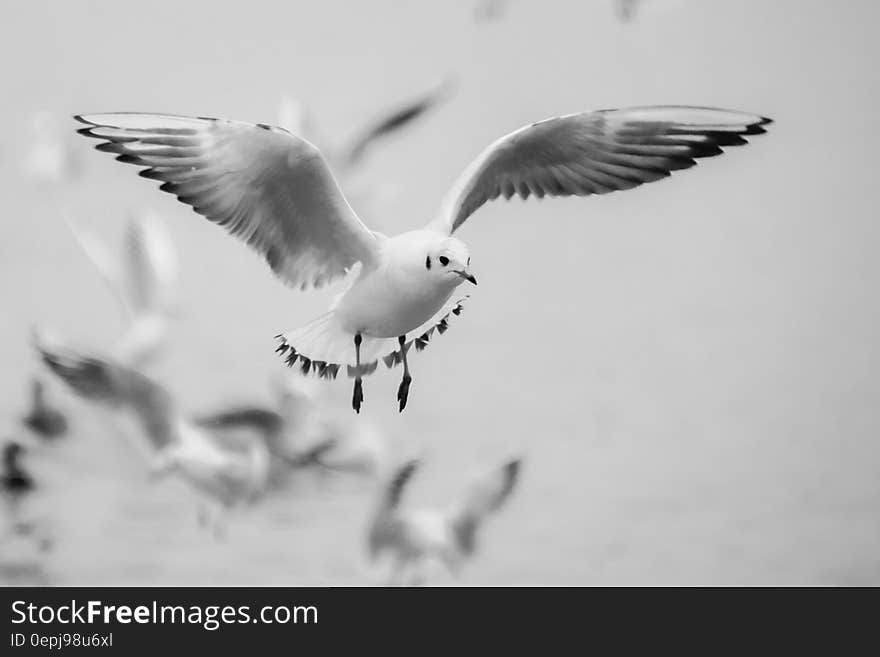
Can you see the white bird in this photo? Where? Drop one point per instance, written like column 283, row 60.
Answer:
column 143, row 276
column 229, row 470
column 415, row 537
column 275, row 192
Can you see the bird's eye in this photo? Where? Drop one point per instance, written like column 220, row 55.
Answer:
column 428, row 262
column 443, row 260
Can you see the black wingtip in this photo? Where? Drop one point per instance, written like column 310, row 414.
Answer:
column 757, row 128
column 79, row 117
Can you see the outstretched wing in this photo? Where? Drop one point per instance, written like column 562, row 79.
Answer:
column 594, row 153
column 265, row 186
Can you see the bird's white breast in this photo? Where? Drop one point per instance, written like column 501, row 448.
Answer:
column 394, row 298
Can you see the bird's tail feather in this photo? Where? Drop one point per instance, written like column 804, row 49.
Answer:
column 323, row 347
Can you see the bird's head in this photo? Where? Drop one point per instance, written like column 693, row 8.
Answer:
column 446, row 260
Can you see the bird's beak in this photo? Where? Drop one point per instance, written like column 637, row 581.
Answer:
column 466, row 275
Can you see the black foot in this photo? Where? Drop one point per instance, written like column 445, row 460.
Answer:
column 358, row 397
column 403, row 391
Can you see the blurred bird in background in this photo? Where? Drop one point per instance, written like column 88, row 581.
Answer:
column 295, row 117
column 347, row 158
column 143, row 277
column 228, row 468
column 415, row 538
column 305, row 432
column 271, row 429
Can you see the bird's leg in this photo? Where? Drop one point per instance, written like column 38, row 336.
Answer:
column 358, row 396
column 403, row 390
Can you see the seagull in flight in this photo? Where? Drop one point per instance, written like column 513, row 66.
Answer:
column 275, row 192
column 415, row 536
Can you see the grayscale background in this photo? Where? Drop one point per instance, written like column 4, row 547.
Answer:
column 689, row 368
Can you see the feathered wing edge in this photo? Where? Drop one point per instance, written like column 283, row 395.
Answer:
column 594, row 153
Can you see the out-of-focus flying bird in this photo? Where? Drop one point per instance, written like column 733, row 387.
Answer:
column 415, row 537
column 270, row 426
column 228, row 469
column 143, row 276
column 302, row 431
column 295, row 117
